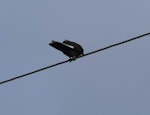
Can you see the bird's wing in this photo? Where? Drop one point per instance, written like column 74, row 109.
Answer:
column 61, row 46
column 70, row 46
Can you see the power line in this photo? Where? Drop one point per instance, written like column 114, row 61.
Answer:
column 101, row 49
column 38, row 70
column 116, row 44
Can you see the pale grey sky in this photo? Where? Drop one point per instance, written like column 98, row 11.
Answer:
column 113, row 82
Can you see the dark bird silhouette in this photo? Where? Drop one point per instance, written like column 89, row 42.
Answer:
column 69, row 48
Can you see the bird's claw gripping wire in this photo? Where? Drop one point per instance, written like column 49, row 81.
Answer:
column 72, row 59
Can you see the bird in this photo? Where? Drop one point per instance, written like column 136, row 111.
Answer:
column 69, row 48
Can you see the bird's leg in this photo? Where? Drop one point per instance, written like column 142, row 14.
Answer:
column 72, row 58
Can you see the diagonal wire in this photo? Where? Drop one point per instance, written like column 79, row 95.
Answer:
column 101, row 49
column 116, row 44
column 38, row 70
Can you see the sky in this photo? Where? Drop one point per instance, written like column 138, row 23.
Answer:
column 111, row 82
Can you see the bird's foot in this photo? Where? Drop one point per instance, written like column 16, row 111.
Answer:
column 72, row 58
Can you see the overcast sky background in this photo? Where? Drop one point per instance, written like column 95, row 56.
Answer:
column 112, row 82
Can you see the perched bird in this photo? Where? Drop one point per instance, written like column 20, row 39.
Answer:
column 69, row 48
